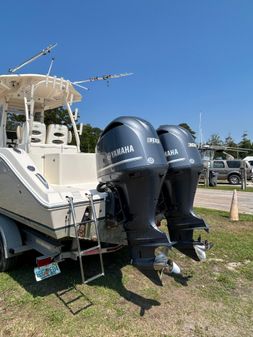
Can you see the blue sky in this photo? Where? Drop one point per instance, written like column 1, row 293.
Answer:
column 188, row 56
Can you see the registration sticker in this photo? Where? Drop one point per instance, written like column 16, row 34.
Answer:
column 47, row 271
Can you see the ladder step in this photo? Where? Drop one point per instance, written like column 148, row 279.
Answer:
column 74, row 299
column 93, row 278
column 85, row 222
column 90, row 249
column 60, row 293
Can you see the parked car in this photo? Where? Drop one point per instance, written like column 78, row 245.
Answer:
column 230, row 170
column 249, row 159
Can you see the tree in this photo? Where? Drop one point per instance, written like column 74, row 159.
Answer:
column 57, row 116
column 246, row 144
column 53, row 116
column 13, row 120
column 229, row 142
column 89, row 138
column 215, row 139
column 187, row 127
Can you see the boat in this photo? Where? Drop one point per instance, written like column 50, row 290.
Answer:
column 67, row 204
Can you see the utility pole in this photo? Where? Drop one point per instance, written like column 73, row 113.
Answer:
column 200, row 129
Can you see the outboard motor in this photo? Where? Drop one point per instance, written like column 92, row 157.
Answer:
column 178, row 191
column 131, row 167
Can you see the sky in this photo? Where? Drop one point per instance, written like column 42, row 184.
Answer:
column 189, row 57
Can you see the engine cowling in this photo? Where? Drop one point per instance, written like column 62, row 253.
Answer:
column 178, row 191
column 131, row 166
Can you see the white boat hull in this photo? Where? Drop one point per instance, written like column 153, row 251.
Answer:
column 25, row 199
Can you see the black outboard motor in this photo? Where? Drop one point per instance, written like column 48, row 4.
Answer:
column 131, row 167
column 178, row 191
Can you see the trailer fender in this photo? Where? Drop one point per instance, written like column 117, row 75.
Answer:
column 10, row 235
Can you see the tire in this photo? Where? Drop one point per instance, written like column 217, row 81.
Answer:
column 6, row 264
column 234, row 179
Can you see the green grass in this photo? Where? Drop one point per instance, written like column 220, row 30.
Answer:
column 227, row 187
column 216, row 214
column 211, row 298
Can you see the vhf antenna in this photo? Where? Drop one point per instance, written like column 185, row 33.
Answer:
column 41, row 53
column 102, row 78
column 99, row 78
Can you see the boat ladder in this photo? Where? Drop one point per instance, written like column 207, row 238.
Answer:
column 81, row 253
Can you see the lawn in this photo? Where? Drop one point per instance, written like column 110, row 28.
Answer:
column 227, row 187
column 212, row 298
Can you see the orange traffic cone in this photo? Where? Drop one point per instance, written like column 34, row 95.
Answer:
column 234, row 214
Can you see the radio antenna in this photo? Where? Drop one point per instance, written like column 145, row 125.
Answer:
column 33, row 58
column 102, row 78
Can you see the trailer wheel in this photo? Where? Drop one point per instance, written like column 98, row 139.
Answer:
column 6, row 264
